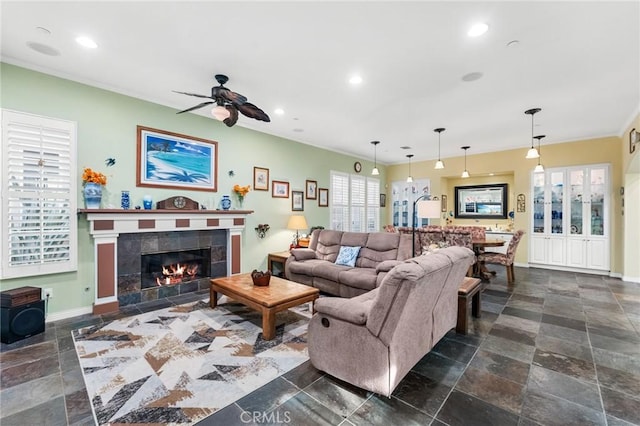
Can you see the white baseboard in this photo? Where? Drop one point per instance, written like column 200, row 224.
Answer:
column 69, row 314
column 631, row 279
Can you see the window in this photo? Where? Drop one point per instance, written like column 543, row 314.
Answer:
column 355, row 203
column 39, row 223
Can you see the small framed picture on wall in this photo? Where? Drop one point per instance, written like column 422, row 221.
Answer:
column 260, row 179
column 312, row 189
column 297, row 201
column 279, row 189
column 323, row 197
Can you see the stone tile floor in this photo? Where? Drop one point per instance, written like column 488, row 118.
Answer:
column 555, row 348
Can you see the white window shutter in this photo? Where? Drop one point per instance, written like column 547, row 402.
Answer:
column 38, row 187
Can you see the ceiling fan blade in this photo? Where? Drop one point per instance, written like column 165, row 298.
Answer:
column 196, row 107
column 233, row 118
column 192, row 94
column 230, row 96
column 252, row 111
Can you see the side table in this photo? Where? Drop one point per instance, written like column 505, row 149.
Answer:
column 276, row 261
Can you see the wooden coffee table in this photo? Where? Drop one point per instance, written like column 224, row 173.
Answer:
column 279, row 295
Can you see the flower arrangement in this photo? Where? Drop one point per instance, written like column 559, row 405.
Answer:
column 90, row 176
column 241, row 191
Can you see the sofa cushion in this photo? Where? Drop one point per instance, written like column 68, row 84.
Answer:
column 353, row 310
column 380, row 246
column 303, row 253
column 364, row 278
column 354, row 239
column 328, row 244
column 347, row 256
column 306, row 267
column 329, row 271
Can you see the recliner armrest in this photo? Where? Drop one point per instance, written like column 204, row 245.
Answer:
column 303, row 253
column 350, row 310
column 387, row 265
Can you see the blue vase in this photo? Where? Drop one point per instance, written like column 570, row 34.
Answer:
column 225, row 202
column 125, row 201
column 92, row 195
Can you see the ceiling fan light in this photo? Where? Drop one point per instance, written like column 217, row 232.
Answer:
column 220, row 113
column 539, row 168
column 375, row 171
column 532, row 153
column 439, row 164
column 465, row 174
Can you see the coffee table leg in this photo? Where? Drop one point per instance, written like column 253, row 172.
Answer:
column 268, row 324
column 213, row 298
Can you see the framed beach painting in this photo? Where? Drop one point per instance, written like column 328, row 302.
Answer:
column 171, row 160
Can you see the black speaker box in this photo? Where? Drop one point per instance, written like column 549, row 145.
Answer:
column 20, row 322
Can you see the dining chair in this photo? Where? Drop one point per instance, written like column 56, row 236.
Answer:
column 504, row 259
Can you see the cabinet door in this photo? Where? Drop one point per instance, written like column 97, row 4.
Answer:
column 597, row 208
column 556, row 250
column 576, row 252
column 556, row 195
column 538, row 252
column 597, row 253
column 539, row 202
column 577, row 201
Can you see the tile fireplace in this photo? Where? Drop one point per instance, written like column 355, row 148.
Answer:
column 131, row 247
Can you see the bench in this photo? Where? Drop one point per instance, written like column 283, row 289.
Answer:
column 470, row 288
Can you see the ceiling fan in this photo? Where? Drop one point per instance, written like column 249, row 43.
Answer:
column 228, row 104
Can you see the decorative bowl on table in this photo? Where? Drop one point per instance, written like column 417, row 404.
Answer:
column 260, row 278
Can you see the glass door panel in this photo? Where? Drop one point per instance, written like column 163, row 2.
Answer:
column 557, row 201
column 576, row 182
column 538, row 203
column 597, row 189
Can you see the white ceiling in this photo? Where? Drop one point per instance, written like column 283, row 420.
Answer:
column 578, row 61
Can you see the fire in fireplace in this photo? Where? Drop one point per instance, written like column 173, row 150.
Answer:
column 175, row 267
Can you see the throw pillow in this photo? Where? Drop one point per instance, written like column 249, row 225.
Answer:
column 347, row 256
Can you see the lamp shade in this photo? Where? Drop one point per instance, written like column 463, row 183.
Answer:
column 375, row 171
column 220, row 113
column 439, row 164
column 532, row 153
column 296, row 222
column 539, row 168
column 429, row 209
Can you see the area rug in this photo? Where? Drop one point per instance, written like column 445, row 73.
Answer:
column 181, row 364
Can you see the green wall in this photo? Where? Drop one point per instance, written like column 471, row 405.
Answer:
column 107, row 128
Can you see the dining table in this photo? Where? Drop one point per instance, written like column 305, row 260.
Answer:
column 480, row 269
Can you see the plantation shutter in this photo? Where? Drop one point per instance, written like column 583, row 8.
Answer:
column 39, row 202
column 355, row 203
column 339, row 201
column 373, row 205
column 358, row 197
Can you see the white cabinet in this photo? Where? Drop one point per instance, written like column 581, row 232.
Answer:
column 570, row 217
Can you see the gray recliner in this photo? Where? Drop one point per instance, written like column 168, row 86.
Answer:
column 373, row 340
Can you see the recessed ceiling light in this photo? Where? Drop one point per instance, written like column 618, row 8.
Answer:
column 405, row 147
column 478, row 29
column 513, row 43
column 279, row 111
column 86, row 42
column 43, row 30
column 355, row 79
column 472, row 76
column 298, row 130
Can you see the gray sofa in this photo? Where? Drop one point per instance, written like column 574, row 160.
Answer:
column 374, row 339
column 315, row 266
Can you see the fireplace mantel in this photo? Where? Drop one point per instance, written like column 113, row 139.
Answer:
column 107, row 224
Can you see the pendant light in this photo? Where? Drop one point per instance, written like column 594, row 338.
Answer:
column 465, row 174
column 409, row 178
column 533, row 152
column 539, row 168
column 375, row 171
column 439, row 163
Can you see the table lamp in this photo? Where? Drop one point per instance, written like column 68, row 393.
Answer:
column 297, row 222
column 427, row 208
